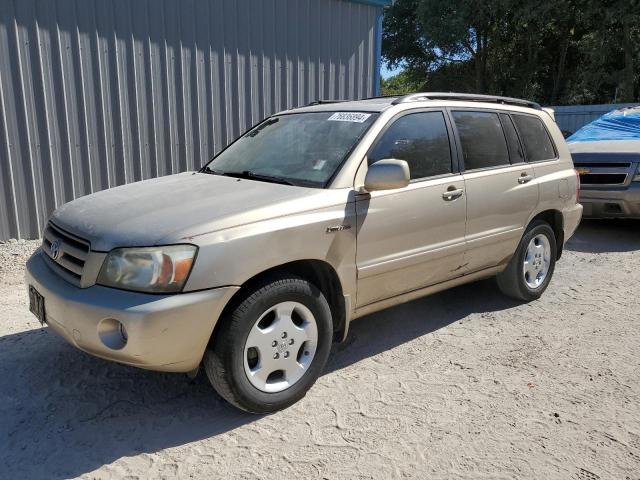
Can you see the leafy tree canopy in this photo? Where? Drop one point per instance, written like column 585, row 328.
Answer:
column 552, row 51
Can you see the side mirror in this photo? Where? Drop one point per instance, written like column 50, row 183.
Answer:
column 387, row 174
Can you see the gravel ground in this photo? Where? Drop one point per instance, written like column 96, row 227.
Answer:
column 462, row 384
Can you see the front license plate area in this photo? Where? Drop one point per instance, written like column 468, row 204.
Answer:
column 36, row 305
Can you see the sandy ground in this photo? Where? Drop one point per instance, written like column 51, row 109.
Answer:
column 463, row 384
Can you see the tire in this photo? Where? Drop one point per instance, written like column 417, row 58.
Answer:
column 514, row 281
column 245, row 346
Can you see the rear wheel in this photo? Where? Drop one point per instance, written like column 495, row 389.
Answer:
column 531, row 268
column 272, row 347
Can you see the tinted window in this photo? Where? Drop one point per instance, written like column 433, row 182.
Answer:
column 536, row 140
column 483, row 143
column 515, row 149
column 421, row 139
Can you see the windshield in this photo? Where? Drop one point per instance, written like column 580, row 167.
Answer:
column 304, row 149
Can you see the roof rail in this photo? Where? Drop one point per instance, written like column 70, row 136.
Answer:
column 321, row 102
column 375, row 97
column 469, row 97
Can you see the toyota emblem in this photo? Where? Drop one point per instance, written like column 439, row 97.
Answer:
column 55, row 249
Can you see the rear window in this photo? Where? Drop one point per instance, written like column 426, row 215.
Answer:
column 537, row 143
column 482, row 139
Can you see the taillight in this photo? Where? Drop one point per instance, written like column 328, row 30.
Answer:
column 577, row 186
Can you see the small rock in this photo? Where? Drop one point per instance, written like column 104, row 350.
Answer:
column 13, row 240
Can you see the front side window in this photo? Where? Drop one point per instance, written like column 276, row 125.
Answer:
column 536, row 140
column 483, row 142
column 421, row 139
column 304, row 149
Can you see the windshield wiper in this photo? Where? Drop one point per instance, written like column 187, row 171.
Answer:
column 211, row 171
column 248, row 174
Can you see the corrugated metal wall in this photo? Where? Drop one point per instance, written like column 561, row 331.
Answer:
column 572, row 117
column 97, row 93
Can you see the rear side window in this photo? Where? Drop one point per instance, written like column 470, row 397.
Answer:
column 421, row 139
column 515, row 149
column 483, row 142
column 536, row 140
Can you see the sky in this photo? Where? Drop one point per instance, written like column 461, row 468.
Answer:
column 386, row 72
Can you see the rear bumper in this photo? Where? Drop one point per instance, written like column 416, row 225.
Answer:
column 571, row 220
column 164, row 332
column 614, row 203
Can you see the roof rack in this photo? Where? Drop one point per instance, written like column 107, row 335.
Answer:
column 375, row 97
column 468, row 97
column 322, row 102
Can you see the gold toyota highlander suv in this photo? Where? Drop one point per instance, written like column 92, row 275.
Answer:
column 319, row 215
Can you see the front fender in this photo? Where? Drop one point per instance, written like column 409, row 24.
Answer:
column 235, row 255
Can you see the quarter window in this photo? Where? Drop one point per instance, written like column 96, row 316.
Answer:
column 536, row 140
column 421, row 139
column 482, row 139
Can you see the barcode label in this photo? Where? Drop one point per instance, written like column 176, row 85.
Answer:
column 356, row 117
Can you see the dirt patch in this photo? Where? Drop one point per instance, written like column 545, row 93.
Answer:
column 463, row 384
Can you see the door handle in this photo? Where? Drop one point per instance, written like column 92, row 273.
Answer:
column 524, row 178
column 452, row 193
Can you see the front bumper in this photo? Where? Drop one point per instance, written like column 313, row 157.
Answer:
column 614, row 203
column 164, row 332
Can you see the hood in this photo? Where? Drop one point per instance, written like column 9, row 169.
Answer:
column 607, row 151
column 176, row 208
column 608, row 146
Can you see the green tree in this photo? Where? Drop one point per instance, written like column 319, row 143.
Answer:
column 552, row 51
column 462, row 30
column 621, row 21
column 428, row 34
column 403, row 41
column 401, row 84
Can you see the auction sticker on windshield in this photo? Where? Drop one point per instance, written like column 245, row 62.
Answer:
column 356, row 117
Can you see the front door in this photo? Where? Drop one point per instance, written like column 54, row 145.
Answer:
column 412, row 237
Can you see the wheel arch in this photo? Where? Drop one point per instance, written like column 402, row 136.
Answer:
column 320, row 273
column 556, row 220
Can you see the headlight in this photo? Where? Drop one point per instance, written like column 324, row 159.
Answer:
column 149, row 269
column 637, row 177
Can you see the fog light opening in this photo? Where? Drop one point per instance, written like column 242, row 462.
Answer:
column 613, row 208
column 112, row 334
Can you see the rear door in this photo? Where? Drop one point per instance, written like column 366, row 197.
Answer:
column 501, row 189
column 554, row 177
column 412, row 237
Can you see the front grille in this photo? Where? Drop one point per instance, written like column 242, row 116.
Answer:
column 603, row 178
column 68, row 255
column 602, row 164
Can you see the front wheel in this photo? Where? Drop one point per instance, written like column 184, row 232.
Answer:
column 531, row 268
column 272, row 347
